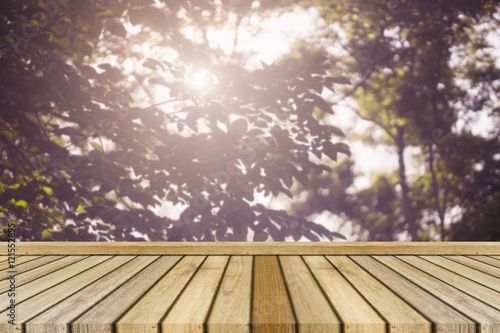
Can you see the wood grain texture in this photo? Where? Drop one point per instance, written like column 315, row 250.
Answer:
column 463, row 270
column 477, row 265
column 399, row 316
column 191, row 310
column 21, row 268
column 100, row 318
column 258, row 248
column 57, row 319
column 487, row 260
column 34, row 306
column 470, row 287
column 487, row 317
column 313, row 312
column 18, row 261
column 271, row 308
column 445, row 318
column 356, row 314
column 40, row 272
column 147, row 313
column 231, row 309
column 243, row 293
column 32, row 288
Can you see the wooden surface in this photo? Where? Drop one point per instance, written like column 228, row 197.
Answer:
column 242, row 293
column 258, row 248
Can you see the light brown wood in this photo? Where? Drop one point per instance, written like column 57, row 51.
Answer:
column 18, row 261
column 39, row 272
column 259, row 248
column 399, row 316
column 470, row 273
column 356, row 314
column 190, row 311
column 243, row 293
column 3, row 259
column 470, row 287
column 101, row 317
column 477, row 265
column 48, row 281
column 313, row 312
column 147, row 313
column 21, row 268
column 487, row 260
column 487, row 317
column 271, row 309
column 34, row 306
column 57, row 318
column 445, row 318
column 231, row 309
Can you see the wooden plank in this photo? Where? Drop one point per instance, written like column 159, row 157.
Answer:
column 18, row 261
column 313, row 312
column 271, row 308
column 39, row 272
column 231, row 309
column 30, row 265
column 487, row 317
column 191, row 310
column 101, row 317
column 3, row 258
column 470, row 273
column 477, row 265
column 487, row 260
column 470, row 287
column 444, row 317
column 57, row 319
column 258, row 248
column 39, row 303
column 354, row 312
column 32, row 288
column 399, row 316
column 147, row 313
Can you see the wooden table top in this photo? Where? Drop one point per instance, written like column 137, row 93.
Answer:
column 96, row 287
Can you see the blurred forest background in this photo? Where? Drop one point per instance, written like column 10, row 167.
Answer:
column 242, row 120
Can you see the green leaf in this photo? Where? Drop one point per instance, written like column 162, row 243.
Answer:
column 337, row 131
column 320, row 103
column 238, row 128
column 79, row 209
column 21, row 203
column 47, row 190
column 330, row 150
column 338, row 235
column 338, row 79
column 96, row 146
column 107, row 13
column 46, row 234
column 260, row 237
column 117, row 29
column 342, row 148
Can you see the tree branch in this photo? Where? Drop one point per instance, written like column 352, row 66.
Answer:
column 375, row 121
column 6, row 140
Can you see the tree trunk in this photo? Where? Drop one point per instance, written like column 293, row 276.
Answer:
column 409, row 214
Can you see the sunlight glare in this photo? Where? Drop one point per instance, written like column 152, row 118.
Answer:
column 198, row 79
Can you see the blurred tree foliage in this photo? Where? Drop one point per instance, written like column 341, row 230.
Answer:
column 83, row 159
column 421, row 70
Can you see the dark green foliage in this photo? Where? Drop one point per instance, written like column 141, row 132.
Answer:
column 82, row 161
column 420, row 69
